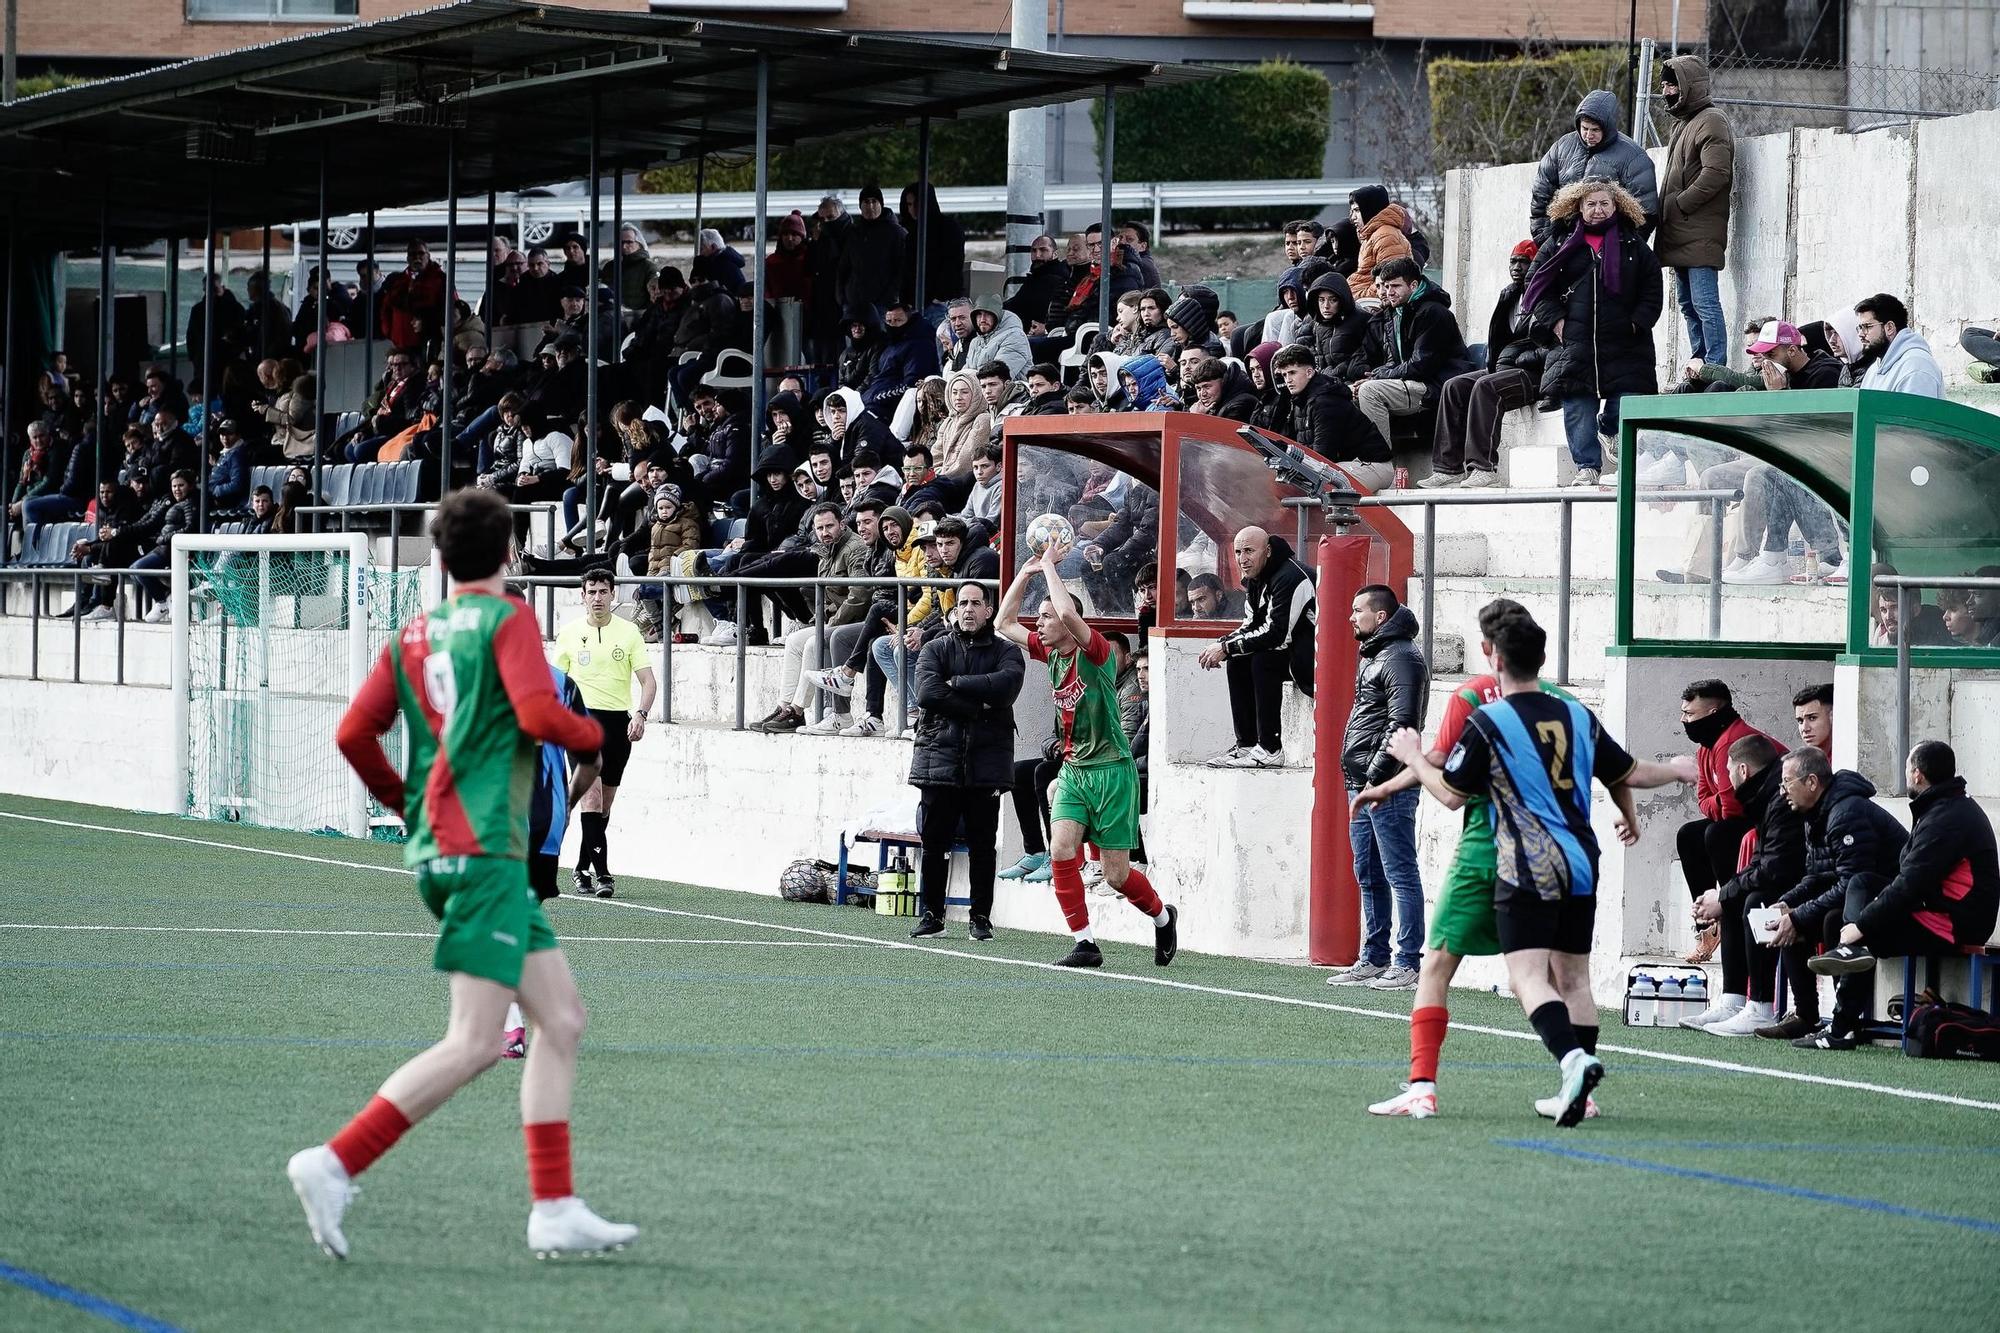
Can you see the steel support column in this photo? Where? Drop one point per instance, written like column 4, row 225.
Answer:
column 1108, row 237
column 207, row 352
column 322, row 435
column 447, row 348
column 591, row 317
column 759, row 227
column 107, row 297
column 9, row 377
column 618, row 262
column 368, row 301
column 921, row 295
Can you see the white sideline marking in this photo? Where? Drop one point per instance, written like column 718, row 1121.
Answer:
column 423, row 935
column 1137, row 979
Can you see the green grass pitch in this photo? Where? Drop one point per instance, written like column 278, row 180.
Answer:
column 827, row 1133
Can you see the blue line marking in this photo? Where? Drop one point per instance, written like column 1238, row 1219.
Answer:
column 1867, row 1149
column 1761, row 1186
column 83, row 1300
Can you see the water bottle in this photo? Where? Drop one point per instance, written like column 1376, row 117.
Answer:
column 1671, row 1005
column 1695, row 989
column 1642, row 1002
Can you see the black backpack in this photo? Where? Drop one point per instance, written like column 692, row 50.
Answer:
column 1939, row 1030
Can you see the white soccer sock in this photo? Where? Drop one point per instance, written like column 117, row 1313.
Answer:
column 1164, row 919
column 514, row 1018
column 1084, row 936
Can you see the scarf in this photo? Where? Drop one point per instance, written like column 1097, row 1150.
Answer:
column 1611, row 258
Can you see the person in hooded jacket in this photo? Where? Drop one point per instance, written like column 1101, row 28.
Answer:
column 1189, row 324
column 1465, row 448
column 1102, row 369
column 1219, row 389
column 944, row 243
column 1594, row 149
column 908, row 354
column 863, row 354
column 851, row 427
column 1334, row 327
column 998, row 336
column 1320, row 413
column 1593, row 297
column 1281, row 326
column 1381, row 225
column 1693, row 237
column 871, row 262
column 1411, row 348
column 830, row 226
column 1899, row 360
column 1274, row 400
column 1340, row 246
column 1146, row 388
column 788, row 268
column 969, row 425
column 1274, row 643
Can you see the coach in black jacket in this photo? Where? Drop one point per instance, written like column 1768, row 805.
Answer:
column 1274, row 641
column 967, row 681
column 1852, row 849
column 1777, row 863
column 1391, row 688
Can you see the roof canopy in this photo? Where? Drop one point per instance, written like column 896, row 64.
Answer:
column 515, row 79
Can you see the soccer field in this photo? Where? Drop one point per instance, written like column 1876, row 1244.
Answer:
column 820, row 1126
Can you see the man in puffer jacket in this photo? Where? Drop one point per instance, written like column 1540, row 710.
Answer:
column 908, row 353
column 1853, row 847
column 1190, row 325
column 1334, row 328
column 967, row 681
column 998, row 336
column 1595, row 147
column 1381, row 225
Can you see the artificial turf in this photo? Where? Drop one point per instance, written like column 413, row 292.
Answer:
column 874, row 1137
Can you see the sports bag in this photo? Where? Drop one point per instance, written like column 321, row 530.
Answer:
column 1940, row 1030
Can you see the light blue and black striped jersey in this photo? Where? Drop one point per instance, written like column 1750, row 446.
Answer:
column 548, row 813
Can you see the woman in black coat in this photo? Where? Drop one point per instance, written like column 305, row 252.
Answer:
column 1333, row 328
column 1594, row 295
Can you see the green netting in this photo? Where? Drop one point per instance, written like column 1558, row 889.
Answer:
column 271, row 639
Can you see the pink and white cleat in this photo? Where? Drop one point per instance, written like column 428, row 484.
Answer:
column 515, row 1045
column 1417, row 1102
column 1548, row 1108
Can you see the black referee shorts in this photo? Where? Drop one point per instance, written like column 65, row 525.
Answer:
column 1526, row 920
column 617, row 748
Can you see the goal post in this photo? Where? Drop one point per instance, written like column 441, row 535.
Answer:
column 271, row 638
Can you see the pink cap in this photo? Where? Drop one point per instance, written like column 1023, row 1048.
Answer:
column 1776, row 334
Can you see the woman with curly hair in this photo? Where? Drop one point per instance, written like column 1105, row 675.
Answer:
column 1594, row 295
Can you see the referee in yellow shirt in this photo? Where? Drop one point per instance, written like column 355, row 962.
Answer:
column 602, row 652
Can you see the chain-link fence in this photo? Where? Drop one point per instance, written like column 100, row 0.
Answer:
column 1769, row 95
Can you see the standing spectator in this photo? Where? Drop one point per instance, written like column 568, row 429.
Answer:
column 1773, row 862
column 229, row 471
column 1391, row 694
column 1412, row 347
column 1708, row 846
column 824, row 252
column 1594, row 150
column 538, row 298
column 1139, row 239
column 228, row 313
column 1899, row 360
column 411, row 307
column 627, row 272
column 871, row 261
column 967, row 681
column 1274, row 643
column 1853, row 849
column 1593, row 297
column 944, row 243
column 1380, row 225
column 1465, row 448
column 788, row 268
column 267, row 325
column 1694, row 204
column 719, row 262
column 498, row 308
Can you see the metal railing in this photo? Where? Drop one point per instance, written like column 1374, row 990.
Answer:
column 1564, row 500
column 1906, row 587
column 40, row 580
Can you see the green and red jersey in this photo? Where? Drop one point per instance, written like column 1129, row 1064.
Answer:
column 1085, row 685
column 477, row 698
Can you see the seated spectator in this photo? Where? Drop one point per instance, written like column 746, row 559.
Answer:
column 674, row 529
column 841, row 555
column 1274, row 642
column 1045, row 391
column 1004, row 397
column 1900, row 361
column 1221, row 390
column 1465, row 448
column 1189, row 325
column 1594, row 150
column 1274, row 400
column 229, row 471
column 115, row 542
column 1128, row 329
column 1772, row 502
column 954, row 335
column 1593, row 297
column 1853, row 851
column 998, row 338
column 156, row 530
column 628, row 272
column 1079, row 401
column 1038, row 301
column 1773, row 864
column 1412, row 347
column 1225, row 324
column 982, row 504
column 1945, row 893
column 1334, row 328
column 718, row 447
column 1812, row 711
column 851, row 427
column 1380, row 225
column 1708, row 846
column 390, row 410
column 1323, row 418
column 907, row 355
column 717, row 261
column 1209, row 600
column 1109, row 554
column 1144, row 381
column 1981, row 342
column 1885, row 628
column 1101, row 370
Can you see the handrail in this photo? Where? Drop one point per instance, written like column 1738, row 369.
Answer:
column 1906, row 585
column 75, row 575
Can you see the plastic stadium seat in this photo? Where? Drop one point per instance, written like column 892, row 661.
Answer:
column 335, row 481
column 270, row 475
column 50, row 542
column 733, row 370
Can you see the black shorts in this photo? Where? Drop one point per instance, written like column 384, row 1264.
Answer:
column 1526, row 920
column 617, row 748
column 542, row 875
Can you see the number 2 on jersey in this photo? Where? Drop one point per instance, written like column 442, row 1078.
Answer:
column 1557, row 737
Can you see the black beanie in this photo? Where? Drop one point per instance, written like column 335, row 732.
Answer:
column 1370, row 199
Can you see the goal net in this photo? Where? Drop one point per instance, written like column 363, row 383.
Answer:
column 272, row 637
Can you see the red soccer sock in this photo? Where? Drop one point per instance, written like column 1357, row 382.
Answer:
column 369, row 1135
column 1138, row 891
column 1068, row 883
column 548, row 1159
column 1427, row 1029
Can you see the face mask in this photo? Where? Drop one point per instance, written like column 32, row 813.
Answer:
column 1706, row 731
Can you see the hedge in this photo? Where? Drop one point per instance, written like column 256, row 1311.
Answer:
column 1264, row 122
column 1486, row 111
column 963, row 152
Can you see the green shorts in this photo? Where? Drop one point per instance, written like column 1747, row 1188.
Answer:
column 1104, row 799
column 489, row 919
column 1463, row 922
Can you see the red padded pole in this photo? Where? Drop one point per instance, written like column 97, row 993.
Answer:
column 1333, row 923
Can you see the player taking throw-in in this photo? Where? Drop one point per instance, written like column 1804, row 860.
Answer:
column 470, row 683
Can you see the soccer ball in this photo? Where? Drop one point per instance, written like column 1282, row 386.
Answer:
column 1050, row 530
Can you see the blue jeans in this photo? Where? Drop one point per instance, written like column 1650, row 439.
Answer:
column 1582, row 423
column 1384, row 841
column 883, row 650
column 1700, row 295
column 57, row 508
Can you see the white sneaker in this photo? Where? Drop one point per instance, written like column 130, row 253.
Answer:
column 867, row 726
column 722, row 636
column 1663, row 472
column 1440, row 481
column 325, row 1190
column 159, row 615
column 1409, row 1102
column 1478, row 479
column 1227, row 757
column 1769, row 568
column 100, row 613
column 567, row 1226
column 1745, row 1022
column 834, row 681
column 1093, row 874
column 1834, row 574
column 1735, row 563
column 1359, row 974
column 1548, row 1108
column 1725, row 1008
column 1585, row 476
column 833, row 724
column 1255, row 757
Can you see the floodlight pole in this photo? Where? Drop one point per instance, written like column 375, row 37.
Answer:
column 321, row 435
column 590, row 345
column 1027, row 153
column 263, row 330
column 207, row 353
column 173, row 319
column 1106, row 237
column 759, row 227
column 924, row 214
column 446, row 351
column 107, row 294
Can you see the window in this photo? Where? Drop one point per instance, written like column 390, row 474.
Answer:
column 297, row 11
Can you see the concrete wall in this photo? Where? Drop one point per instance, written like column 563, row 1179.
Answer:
column 102, row 744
